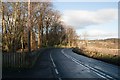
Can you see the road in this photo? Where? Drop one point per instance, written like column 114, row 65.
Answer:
column 61, row 63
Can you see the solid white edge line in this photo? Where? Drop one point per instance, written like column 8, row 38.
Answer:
column 100, row 75
column 77, row 61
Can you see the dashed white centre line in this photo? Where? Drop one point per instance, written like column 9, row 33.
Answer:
column 56, row 71
column 52, row 61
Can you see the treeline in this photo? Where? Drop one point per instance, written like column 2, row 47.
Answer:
column 32, row 25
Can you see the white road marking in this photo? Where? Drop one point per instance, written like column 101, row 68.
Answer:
column 109, row 76
column 87, row 66
column 56, row 71
column 52, row 61
column 59, row 78
column 100, row 75
column 55, row 67
column 76, row 61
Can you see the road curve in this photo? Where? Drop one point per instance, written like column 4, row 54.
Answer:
column 62, row 63
column 72, row 65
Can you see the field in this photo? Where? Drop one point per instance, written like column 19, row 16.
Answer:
column 105, row 50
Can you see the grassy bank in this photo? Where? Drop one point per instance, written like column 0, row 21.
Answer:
column 109, row 58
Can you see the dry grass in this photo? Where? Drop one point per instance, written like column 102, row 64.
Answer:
column 110, row 58
column 102, row 50
column 100, row 46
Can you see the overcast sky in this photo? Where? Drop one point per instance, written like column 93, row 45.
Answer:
column 98, row 19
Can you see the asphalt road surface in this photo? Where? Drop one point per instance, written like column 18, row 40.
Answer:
column 61, row 63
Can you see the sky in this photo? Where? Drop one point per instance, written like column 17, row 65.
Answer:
column 99, row 20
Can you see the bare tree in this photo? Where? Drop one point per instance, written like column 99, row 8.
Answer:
column 85, row 35
column 29, row 26
column 26, row 24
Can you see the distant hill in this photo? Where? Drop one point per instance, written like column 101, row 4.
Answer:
column 114, row 40
column 111, row 40
column 112, row 43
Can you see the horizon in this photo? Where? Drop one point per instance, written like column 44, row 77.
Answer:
column 87, row 22
column 98, row 19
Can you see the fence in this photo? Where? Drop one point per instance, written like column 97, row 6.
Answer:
column 14, row 60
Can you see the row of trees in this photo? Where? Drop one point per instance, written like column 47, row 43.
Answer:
column 33, row 25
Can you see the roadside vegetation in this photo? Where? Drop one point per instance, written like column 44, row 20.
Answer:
column 29, row 26
column 105, row 50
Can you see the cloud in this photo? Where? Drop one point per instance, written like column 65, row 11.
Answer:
column 85, row 0
column 82, row 18
column 99, row 34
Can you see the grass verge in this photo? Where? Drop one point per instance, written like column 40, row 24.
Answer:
column 109, row 58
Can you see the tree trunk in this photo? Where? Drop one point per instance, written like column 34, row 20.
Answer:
column 31, row 37
column 22, row 43
column 3, row 26
column 39, row 41
column 47, row 34
column 40, row 34
column 29, row 27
